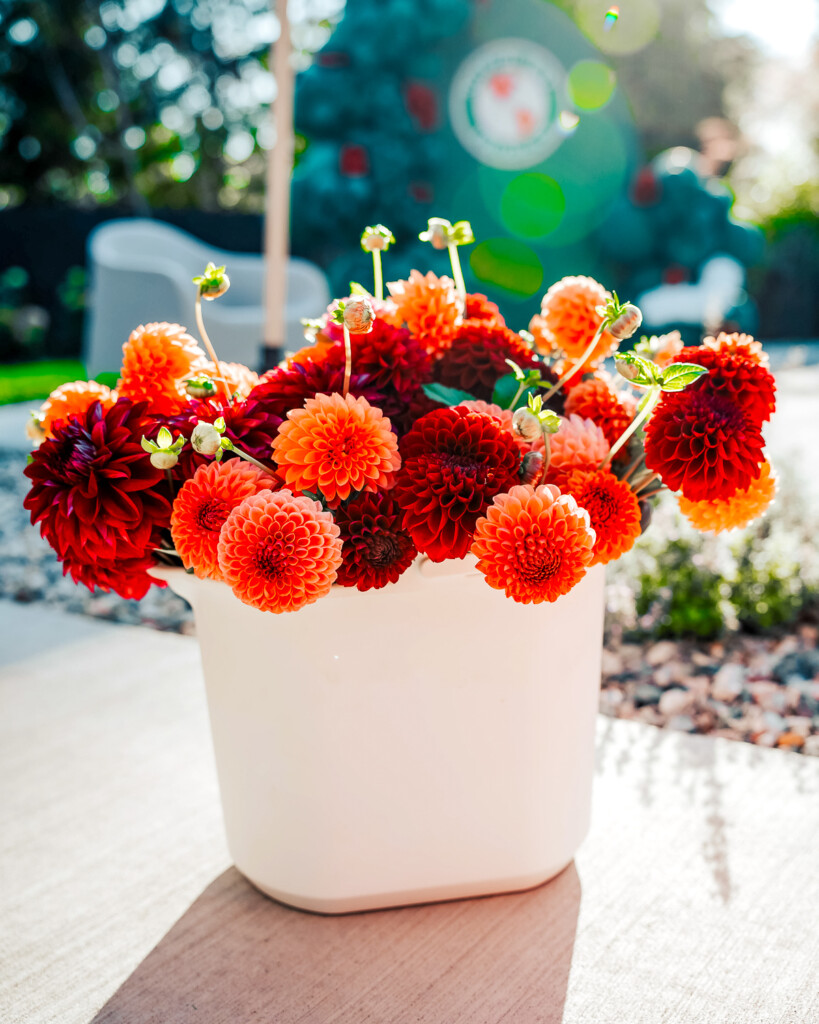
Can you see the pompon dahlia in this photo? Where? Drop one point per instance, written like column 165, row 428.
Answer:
column 569, row 319
column 455, row 462
column 73, row 399
column 479, row 307
column 376, row 547
column 476, row 359
column 286, row 388
column 203, row 504
column 156, row 360
column 98, row 499
column 703, row 444
column 535, row 544
column 335, row 446
column 737, row 511
column 738, row 369
column 579, row 444
column 593, row 399
column 614, row 510
column 428, row 306
column 279, row 552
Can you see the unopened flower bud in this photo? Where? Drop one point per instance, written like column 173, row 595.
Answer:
column 630, row 371
column 200, row 387
column 34, row 429
column 627, row 323
column 358, row 316
column 438, row 233
column 531, row 468
column 526, row 425
column 164, row 459
column 206, row 439
column 213, row 283
column 376, row 239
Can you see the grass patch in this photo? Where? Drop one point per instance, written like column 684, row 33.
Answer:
column 27, row 382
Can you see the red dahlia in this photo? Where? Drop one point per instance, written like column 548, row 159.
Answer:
column 99, row 501
column 737, row 369
column 377, row 549
column 287, row 388
column 249, row 424
column 478, row 307
column 476, row 360
column 390, row 357
column 454, row 463
column 703, row 444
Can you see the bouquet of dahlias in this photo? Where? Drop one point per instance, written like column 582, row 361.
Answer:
column 412, row 424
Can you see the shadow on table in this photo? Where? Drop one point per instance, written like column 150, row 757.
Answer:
column 237, row 956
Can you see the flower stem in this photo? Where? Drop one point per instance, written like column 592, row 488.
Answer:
column 547, row 454
column 166, row 551
column 458, row 274
column 652, row 494
column 651, row 400
column 633, row 466
column 200, row 323
column 169, row 478
column 248, row 457
column 348, row 362
column 518, row 393
column 598, row 334
column 378, row 285
column 646, row 482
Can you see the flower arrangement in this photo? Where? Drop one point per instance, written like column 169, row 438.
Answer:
column 412, row 423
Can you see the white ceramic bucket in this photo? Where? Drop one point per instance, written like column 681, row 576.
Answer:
column 428, row 741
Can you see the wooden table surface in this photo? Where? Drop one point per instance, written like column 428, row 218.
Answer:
column 694, row 899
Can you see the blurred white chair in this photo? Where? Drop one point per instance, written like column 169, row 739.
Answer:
column 703, row 304
column 141, row 270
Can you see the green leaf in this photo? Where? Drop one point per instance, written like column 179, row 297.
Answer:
column 516, row 370
column 505, row 390
column 359, row 290
column 678, row 376
column 447, row 396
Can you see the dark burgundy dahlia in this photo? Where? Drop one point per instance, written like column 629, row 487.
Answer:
column 454, row 463
column 376, row 547
column 703, row 444
column 287, row 388
column 476, row 360
column 100, row 503
column 392, row 359
column 248, row 424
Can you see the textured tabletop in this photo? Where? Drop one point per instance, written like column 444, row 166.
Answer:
column 694, row 899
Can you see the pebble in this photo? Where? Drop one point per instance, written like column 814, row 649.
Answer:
column 662, row 651
column 811, row 746
column 671, row 672
column 728, row 682
column 674, row 702
column 681, row 723
column 646, row 693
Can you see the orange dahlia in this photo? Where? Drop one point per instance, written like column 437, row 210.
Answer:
column 614, row 511
column 666, row 348
column 737, row 369
column 204, row 503
column 535, row 544
column 156, row 361
column 594, row 399
column 335, row 446
column 569, row 319
column 479, row 307
column 279, row 552
column 735, row 512
column 579, row 444
column 427, row 305
column 73, row 399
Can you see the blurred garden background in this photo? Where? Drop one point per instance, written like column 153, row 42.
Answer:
column 673, row 156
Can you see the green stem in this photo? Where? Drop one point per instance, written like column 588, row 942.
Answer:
column 598, row 334
column 457, row 273
column 169, row 478
column 547, row 454
column 518, row 393
column 378, row 286
column 643, row 415
column 348, row 362
column 633, row 466
column 200, row 323
column 249, row 458
column 646, row 482
column 652, row 494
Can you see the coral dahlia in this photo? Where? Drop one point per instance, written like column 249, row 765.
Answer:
column 335, row 446
column 376, row 548
column 738, row 369
column 569, row 319
column 479, row 307
column 703, row 444
column 579, row 444
column 279, row 552
column 73, row 399
column 614, row 510
column 595, row 400
column 455, row 462
column 476, row 359
column 204, row 503
column 737, row 511
column 534, row 543
column 156, row 361
column 428, row 306
column 97, row 498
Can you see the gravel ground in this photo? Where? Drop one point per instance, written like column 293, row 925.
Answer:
column 761, row 690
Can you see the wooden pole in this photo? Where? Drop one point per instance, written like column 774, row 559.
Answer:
column 277, row 213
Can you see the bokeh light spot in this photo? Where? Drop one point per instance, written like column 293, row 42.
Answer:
column 509, row 265
column 532, row 205
column 635, row 26
column 591, row 84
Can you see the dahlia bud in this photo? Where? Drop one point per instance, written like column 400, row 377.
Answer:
column 200, row 387
column 213, row 283
column 376, row 239
column 531, row 468
column 164, row 451
column 629, row 371
column 438, row 233
column 626, row 323
column 358, row 316
column 206, row 439
column 164, row 459
column 526, row 425
column 34, row 429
